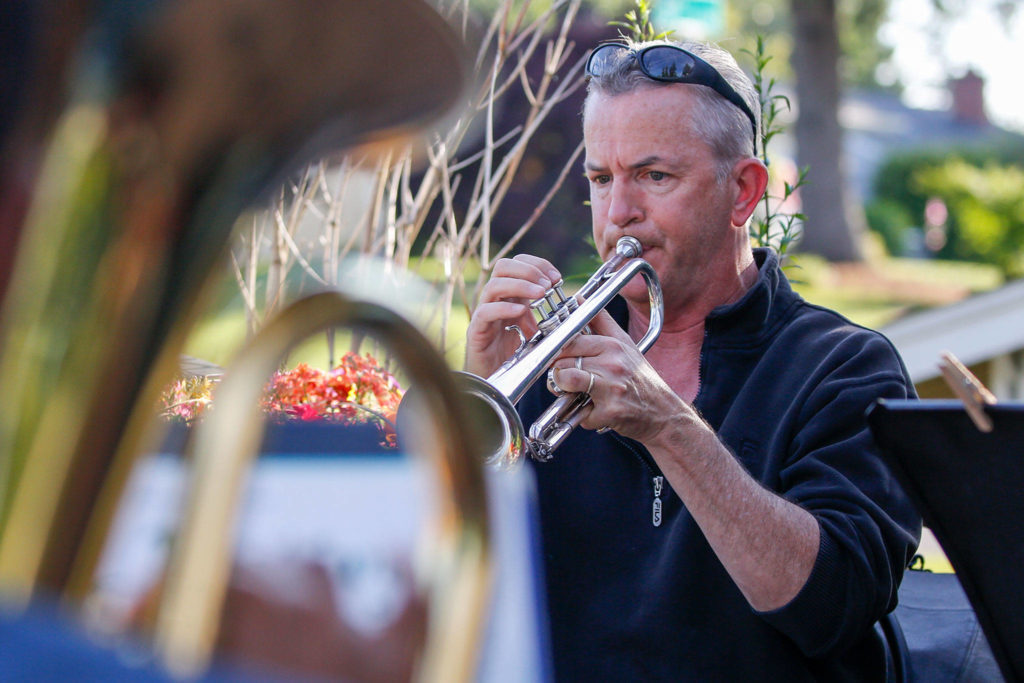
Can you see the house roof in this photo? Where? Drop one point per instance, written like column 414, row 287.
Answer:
column 877, row 124
column 974, row 330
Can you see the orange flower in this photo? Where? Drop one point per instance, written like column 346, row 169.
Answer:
column 358, row 390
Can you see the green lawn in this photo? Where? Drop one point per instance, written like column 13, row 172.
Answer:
column 872, row 294
column 881, row 290
column 220, row 334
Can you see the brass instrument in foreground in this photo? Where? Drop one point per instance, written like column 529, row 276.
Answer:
column 228, row 441
column 561, row 319
column 163, row 123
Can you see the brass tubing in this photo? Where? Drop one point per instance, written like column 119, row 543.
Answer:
column 226, row 443
column 152, row 160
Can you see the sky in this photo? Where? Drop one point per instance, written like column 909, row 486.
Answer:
column 978, row 38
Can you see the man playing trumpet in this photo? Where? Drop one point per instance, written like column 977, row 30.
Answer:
column 723, row 515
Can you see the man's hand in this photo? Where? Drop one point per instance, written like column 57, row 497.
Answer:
column 628, row 395
column 766, row 543
column 505, row 300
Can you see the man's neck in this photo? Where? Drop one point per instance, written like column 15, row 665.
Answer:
column 676, row 353
column 685, row 319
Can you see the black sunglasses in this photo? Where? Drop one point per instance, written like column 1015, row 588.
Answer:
column 669, row 64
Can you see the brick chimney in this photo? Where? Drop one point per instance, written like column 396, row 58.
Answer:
column 968, row 93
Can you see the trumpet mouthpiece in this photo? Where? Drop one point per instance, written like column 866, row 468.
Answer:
column 629, row 247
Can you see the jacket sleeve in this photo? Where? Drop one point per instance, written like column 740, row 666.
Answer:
column 869, row 528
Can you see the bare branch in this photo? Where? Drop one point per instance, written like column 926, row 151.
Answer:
column 470, row 160
column 539, row 209
column 402, row 202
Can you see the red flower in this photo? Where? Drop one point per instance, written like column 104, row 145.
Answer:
column 305, row 411
column 358, row 390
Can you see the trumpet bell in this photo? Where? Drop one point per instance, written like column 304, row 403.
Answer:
column 499, row 429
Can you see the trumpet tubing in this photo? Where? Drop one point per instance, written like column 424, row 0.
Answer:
column 561, row 319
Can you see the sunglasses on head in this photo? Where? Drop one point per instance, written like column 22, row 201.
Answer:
column 669, row 64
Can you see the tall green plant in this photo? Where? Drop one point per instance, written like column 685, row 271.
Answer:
column 772, row 226
column 637, row 25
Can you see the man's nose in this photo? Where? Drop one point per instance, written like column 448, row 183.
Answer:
column 624, row 206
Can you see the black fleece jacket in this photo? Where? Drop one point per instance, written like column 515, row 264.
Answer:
column 635, row 592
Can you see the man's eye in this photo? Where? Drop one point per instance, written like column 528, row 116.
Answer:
column 601, row 179
column 656, row 176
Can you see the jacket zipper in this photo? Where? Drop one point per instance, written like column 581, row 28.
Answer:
column 700, row 365
column 656, row 507
column 657, row 480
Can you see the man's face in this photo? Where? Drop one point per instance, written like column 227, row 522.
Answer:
column 653, row 178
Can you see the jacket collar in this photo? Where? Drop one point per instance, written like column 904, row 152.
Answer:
column 755, row 314
column 760, row 309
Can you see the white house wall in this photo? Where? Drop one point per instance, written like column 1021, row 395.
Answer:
column 985, row 327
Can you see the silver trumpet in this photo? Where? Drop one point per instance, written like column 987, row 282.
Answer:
column 560, row 319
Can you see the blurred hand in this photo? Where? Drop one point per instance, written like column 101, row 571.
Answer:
column 283, row 619
column 286, row 621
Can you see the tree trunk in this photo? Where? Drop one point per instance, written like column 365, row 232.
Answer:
column 833, row 225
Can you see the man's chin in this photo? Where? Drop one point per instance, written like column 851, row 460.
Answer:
column 636, row 292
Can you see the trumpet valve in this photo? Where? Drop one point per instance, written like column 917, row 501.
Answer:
column 552, row 308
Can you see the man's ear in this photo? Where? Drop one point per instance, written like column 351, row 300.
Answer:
column 751, row 178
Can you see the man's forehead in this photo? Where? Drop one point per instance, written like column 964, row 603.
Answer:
column 592, row 164
column 671, row 107
column 631, row 133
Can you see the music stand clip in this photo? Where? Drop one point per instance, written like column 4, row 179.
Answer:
column 969, row 389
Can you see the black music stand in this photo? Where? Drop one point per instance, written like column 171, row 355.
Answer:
column 969, row 487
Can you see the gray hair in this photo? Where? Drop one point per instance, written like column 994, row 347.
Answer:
column 726, row 128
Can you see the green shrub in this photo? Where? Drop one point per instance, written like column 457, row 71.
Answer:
column 890, row 220
column 982, row 189
column 986, row 210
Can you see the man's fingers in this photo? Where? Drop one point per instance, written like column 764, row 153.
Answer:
column 585, row 346
column 604, row 324
column 529, row 268
column 575, row 381
column 497, row 311
column 510, row 288
column 543, row 265
column 514, row 283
